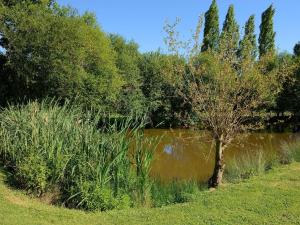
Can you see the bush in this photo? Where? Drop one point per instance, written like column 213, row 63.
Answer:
column 91, row 196
column 32, row 174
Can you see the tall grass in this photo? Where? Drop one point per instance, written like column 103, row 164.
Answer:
column 176, row 191
column 142, row 156
column 290, row 151
column 250, row 164
column 49, row 146
column 258, row 162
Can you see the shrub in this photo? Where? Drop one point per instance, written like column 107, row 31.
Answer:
column 92, row 196
column 32, row 174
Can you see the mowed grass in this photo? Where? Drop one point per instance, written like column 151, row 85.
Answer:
column 273, row 198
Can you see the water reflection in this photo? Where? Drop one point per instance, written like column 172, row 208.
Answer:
column 168, row 149
column 186, row 154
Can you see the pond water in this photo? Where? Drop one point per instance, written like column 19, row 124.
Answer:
column 188, row 154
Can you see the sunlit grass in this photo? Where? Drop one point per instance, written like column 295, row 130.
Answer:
column 271, row 199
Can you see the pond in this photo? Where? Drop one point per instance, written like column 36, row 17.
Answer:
column 188, row 154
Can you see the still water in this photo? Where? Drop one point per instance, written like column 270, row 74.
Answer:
column 188, row 154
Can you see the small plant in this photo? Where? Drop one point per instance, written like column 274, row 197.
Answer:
column 94, row 197
column 32, row 174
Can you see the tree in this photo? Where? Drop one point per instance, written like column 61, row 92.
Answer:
column 297, row 49
column 267, row 35
column 224, row 96
column 248, row 46
column 289, row 97
column 224, row 100
column 58, row 53
column 229, row 40
column 162, row 74
column 11, row 3
column 128, row 58
column 211, row 29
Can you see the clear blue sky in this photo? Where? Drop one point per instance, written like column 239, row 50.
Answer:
column 143, row 20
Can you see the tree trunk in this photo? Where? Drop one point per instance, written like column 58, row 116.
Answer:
column 217, row 176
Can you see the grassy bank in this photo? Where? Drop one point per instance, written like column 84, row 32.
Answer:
column 272, row 198
column 82, row 159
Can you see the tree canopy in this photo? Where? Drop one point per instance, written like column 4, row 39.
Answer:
column 55, row 52
column 211, row 29
column 267, row 35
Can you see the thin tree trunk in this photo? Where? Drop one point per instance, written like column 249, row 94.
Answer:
column 217, row 176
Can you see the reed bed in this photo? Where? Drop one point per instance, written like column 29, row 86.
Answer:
column 78, row 154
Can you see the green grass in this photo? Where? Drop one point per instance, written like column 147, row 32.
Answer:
column 272, row 198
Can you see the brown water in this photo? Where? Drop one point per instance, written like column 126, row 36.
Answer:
column 187, row 154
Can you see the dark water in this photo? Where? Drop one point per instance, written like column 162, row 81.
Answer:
column 187, row 154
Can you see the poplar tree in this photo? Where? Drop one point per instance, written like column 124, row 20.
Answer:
column 248, row 46
column 211, row 29
column 267, row 35
column 229, row 40
column 297, row 49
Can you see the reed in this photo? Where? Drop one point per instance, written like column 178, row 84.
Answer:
column 46, row 145
column 249, row 164
column 290, row 152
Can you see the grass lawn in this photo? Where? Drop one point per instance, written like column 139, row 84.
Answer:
column 273, row 198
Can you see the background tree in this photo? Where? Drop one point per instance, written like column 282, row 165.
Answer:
column 55, row 52
column 211, row 28
column 230, row 36
column 131, row 97
column 297, row 49
column 289, row 97
column 267, row 35
column 160, row 82
column 248, row 46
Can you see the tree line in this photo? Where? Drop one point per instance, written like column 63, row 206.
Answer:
column 48, row 50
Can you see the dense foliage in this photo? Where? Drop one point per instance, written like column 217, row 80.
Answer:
column 211, row 29
column 55, row 52
column 267, row 35
column 50, row 50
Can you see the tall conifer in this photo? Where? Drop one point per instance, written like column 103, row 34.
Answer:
column 211, row 28
column 230, row 36
column 297, row 49
column 248, row 45
column 267, row 35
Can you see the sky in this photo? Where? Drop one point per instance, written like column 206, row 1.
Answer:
column 143, row 20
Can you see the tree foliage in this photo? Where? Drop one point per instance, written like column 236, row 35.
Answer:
column 267, row 35
column 56, row 52
column 211, row 29
column 297, row 49
column 229, row 40
column 161, row 79
column 128, row 57
column 248, row 46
